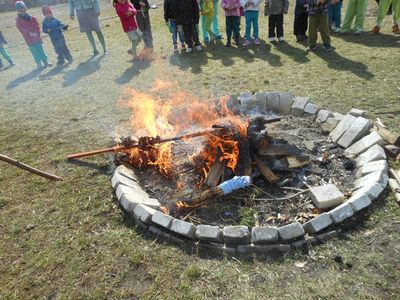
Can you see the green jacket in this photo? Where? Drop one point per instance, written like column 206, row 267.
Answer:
column 83, row 4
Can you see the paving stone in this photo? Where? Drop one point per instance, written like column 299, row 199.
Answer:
column 162, row 219
column 317, row 224
column 144, row 213
column 379, row 165
column 330, row 124
column 261, row 99
column 343, row 125
column 338, row 116
column 209, row 233
column 311, row 109
column 341, row 213
column 359, row 202
column 291, row 231
column 365, row 143
column 285, row 102
column 357, row 112
column 167, row 236
column 372, row 191
column 236, row 234
column 130, row 197
column 374, row 153
column 358, row 129
column 299, row 105
column 323, row 115
column 264, row 234
column 371, row 178
column 121, row 179
column 184, row 228
column 326, row 196
column 247, row 100
column 127, row 172
column 273, row 101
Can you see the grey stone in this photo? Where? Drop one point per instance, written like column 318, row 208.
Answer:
column 311, row 109
column 357, row 112
column 365, row 143
column 184, row 228
column 264, row 234
column 374, row 153
column 338, row 116
column 373, row 166
column 340, row 129
column 261, row 99
column 120, row 179
column 285, row 102
column 323, row 115
column 130, row 197
column 330, row 124
column 276, row 249
column 127, row 172
column 299, row 105
column 326, row 196
column 356, row 131
column 162, row 219
column 247, row 101
column 209, row 233
column 273, row 101
column 341, row 213
column 370, row 179
column 143, row 213
column 310, row 145
column 291, row 231
column 317, row 224
column 373, row 191
column 236, row 234
column 359, row 202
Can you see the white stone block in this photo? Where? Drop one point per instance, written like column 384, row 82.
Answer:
column 372, row 191
column 323, row 115
column 365, row 143
column 209, row 233
column 183, row 228
column 247, row 101
column 162, row 219
column 130, row 197
column 357, row 112
column 379, row 165
column 311, row 108
column 326, row 196
column 340, row 129
column 372, row 154
column 370, row 179
column 273, row 101
column 341, row 213
column 298, row 106
column 285, row 102
column 127, row 172
column 317, row 224
column 144, row 213
column 338, row 116
column 358, row 129
column 261, row 99
column 120, row 179
column 330, row 124
column 359, row 202
column 264, row 234
column 291, row 231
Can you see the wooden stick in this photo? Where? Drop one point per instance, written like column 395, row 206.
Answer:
column 28, row 168
column 394, row 175
column 265, row 171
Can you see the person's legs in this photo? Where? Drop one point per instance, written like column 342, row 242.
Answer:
column 312, row 31
column 382, row 11
column 255, row 24
column 147, row 34
column 66, row 52
column 59, row 50
column 279, row 26
column 396, row 11
column 35, row 55
column 350, row 13
column 331, row 14
column 215, row 26
column 90, row 37
column 6, row 55
column 206, row 38
column 208, row 21
column 236, row 24
column 360, row 15
column 188, row 35
column 271, row 26
column 338, row 14
column 247, row 17
column 102, row 41
column 172, row 24
column 229, row 28
column 303, row 24
column 324, row 29
column 42, row 54
column 195, row 35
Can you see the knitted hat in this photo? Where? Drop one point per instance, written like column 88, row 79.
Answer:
column 19, row 5
column 46, row 10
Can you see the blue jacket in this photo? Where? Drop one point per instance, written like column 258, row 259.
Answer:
column 53, row 28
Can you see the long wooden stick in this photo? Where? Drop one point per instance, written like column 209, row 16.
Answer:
column 28, row 168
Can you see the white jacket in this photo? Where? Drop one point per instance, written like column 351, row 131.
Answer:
column 253, row 6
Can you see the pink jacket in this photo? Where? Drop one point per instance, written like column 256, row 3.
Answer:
column 234, row 10
column 128, row 22
column 30, row 29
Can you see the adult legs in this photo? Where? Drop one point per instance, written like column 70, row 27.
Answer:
column 195, row 35
column 172, row 24
column 360, row 15
column 187, row 31
column 331, row 14
column 350, row 13
column 90, row 37
column 102, row 41
column 338, row 14
column 143, row 21
column 382, row 11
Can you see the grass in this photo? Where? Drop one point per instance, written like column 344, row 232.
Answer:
column 81, row 245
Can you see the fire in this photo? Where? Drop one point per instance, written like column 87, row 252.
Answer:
column 178, row 113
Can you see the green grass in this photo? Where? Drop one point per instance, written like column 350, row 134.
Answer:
column 82, row 246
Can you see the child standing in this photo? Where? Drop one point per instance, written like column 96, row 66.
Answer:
column 170, row 12
column 127, row 12
column 301, row 20
column 143, row 22
column 29, row 27
column 188, row 15
column 251, row 8
column 275, row 10
column 4, row 51
column 335, row 14
column 318, row 19
column 232, row 20
column 356, row 9
column 54, row 28
column 207, row 13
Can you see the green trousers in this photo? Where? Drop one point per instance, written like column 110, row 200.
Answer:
column 318, row 22
column 6, row 55
column 383, row 9
column 38, row 53
column 357, row 9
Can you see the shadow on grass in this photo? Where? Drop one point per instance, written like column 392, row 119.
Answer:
column 296, row 54
column 372, row 40
column 84, row 69
column 56, row 70
column 338, row 62
column 100, row 169
column 132, row 71
column 16, row 82
column 193, row 61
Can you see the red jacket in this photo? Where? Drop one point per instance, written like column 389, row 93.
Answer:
column 30, row 29
column 128, row 22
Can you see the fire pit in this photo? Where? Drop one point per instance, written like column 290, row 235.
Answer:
column 245, row 175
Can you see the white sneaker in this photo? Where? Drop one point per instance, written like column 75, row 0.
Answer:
column 272, row 39
column 188, row 50
column 281, row 39
column 198, row 48
column 337, row 30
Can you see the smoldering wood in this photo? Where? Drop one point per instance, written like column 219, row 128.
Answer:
column 245, row 158
column 215, row 172
column 209, row 194
column 264, row 169
column 280, row 150
column 297, row 161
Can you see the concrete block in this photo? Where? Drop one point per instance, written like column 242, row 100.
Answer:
column 358, row 129
column 130, row 197
column 299, row 105
column 121, row 179
column 144, row 213
column 330, row 124
column 291, row 231
column 340, row 129
column 236, row 234
column 317, row 224
column 338, row 116
column 209, row 233
column 341, row 213
column 326, row 196
column 264, row 234
column 261, row 99
column 370, row 179
column 365, row 143
column 379, row 165
column 311, row 109
column 372, row 191
column 127, row 172
column 359, row 202
column 273, row 102
column 162, row 219
column 285, row 102
column 247, row 101
column 323, row 115
column 357, row 112
column 372, row 154
column 183, row 228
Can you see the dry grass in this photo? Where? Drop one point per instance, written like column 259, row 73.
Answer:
column 81, row 245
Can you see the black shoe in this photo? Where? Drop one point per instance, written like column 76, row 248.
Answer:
column 328, row 47
column 95, row 52
column 228, row 44
column 311, row 48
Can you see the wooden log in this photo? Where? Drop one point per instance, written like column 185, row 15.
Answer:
column 280, row 150
column 216, row 170
column 264, row 169
column 210, row 194
column 28, row 168
column 388, row 136
column 297, row 161
column 245, row 158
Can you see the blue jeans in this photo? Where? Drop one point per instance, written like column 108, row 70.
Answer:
column 215, row 27
column 334, row 14
column 251, row 17
column 175, row 32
